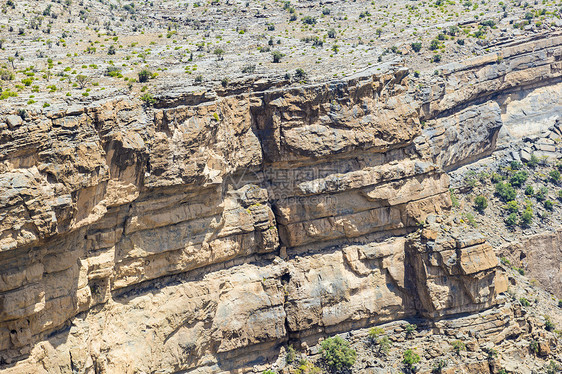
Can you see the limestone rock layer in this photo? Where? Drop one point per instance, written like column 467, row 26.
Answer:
column 205, row 236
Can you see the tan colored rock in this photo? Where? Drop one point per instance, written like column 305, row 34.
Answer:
column 145, row 240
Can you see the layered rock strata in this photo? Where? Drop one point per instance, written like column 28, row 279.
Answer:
column 205, row 236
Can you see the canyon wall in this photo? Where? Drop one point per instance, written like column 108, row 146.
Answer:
column 205, row 236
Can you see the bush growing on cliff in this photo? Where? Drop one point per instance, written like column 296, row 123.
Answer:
column 454, row 198
column 511, row 219
column 458, row 346
column 148, row 99
column 439, row 366
column 505, row 191
column 518, row 178
column 416, row 46
column 410, row 359
column 376, row 338
column 144, row 75
column 410, row 328
column 307, row 367
column 512, row 206
column 554, row 176
column 384, row 344
column 337, row 353
column 549, row 325
column 534, row 346
column 541, row 193
column 480, row 203
column 496, row 178
column 533, row 161
column 374, row 334
column 291, row 354
column 277, row 56
column 527, row 217
column 515, row 165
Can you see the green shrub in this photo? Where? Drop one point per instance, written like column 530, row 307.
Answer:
column 277, row 56
column 82, row 80
column 300, row 74
column 534, row 346
column 458, row 346
column 416, row 46
column 533, row 161
column 307, row 367
column 529, row 191
column 384, row 344
column 6, row 75
column 291, row 354
column 505, row 191
column 144, row 75
column 554, row 176
column 454, row 198
column 480, row 203
column 527, row 217
column 410, row 328
column 374, row 333
column 148, row 99
column 548, row 205
column 269, row 372
column 511, row 219
column 505, row 261
column 549, row 325
column 410, row 359
column 337, row 353
column 438, row 366
column 376, row 338
column 518, row 178
column 515, row 165
column 512, row 206
column 524, row 301
column 541, row 193
column 496, row 178
column 309, row 20
column 469, row 219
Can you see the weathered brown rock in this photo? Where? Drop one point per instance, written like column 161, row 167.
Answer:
column 139, row 240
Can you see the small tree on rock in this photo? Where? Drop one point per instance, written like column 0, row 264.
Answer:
column 337, row 353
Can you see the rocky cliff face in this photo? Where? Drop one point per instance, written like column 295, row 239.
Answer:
column 205, row 236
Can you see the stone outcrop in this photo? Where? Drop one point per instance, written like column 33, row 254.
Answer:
column 205, row 236
column 539, row 255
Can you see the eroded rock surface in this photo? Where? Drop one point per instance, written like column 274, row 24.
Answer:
column 206, row 236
